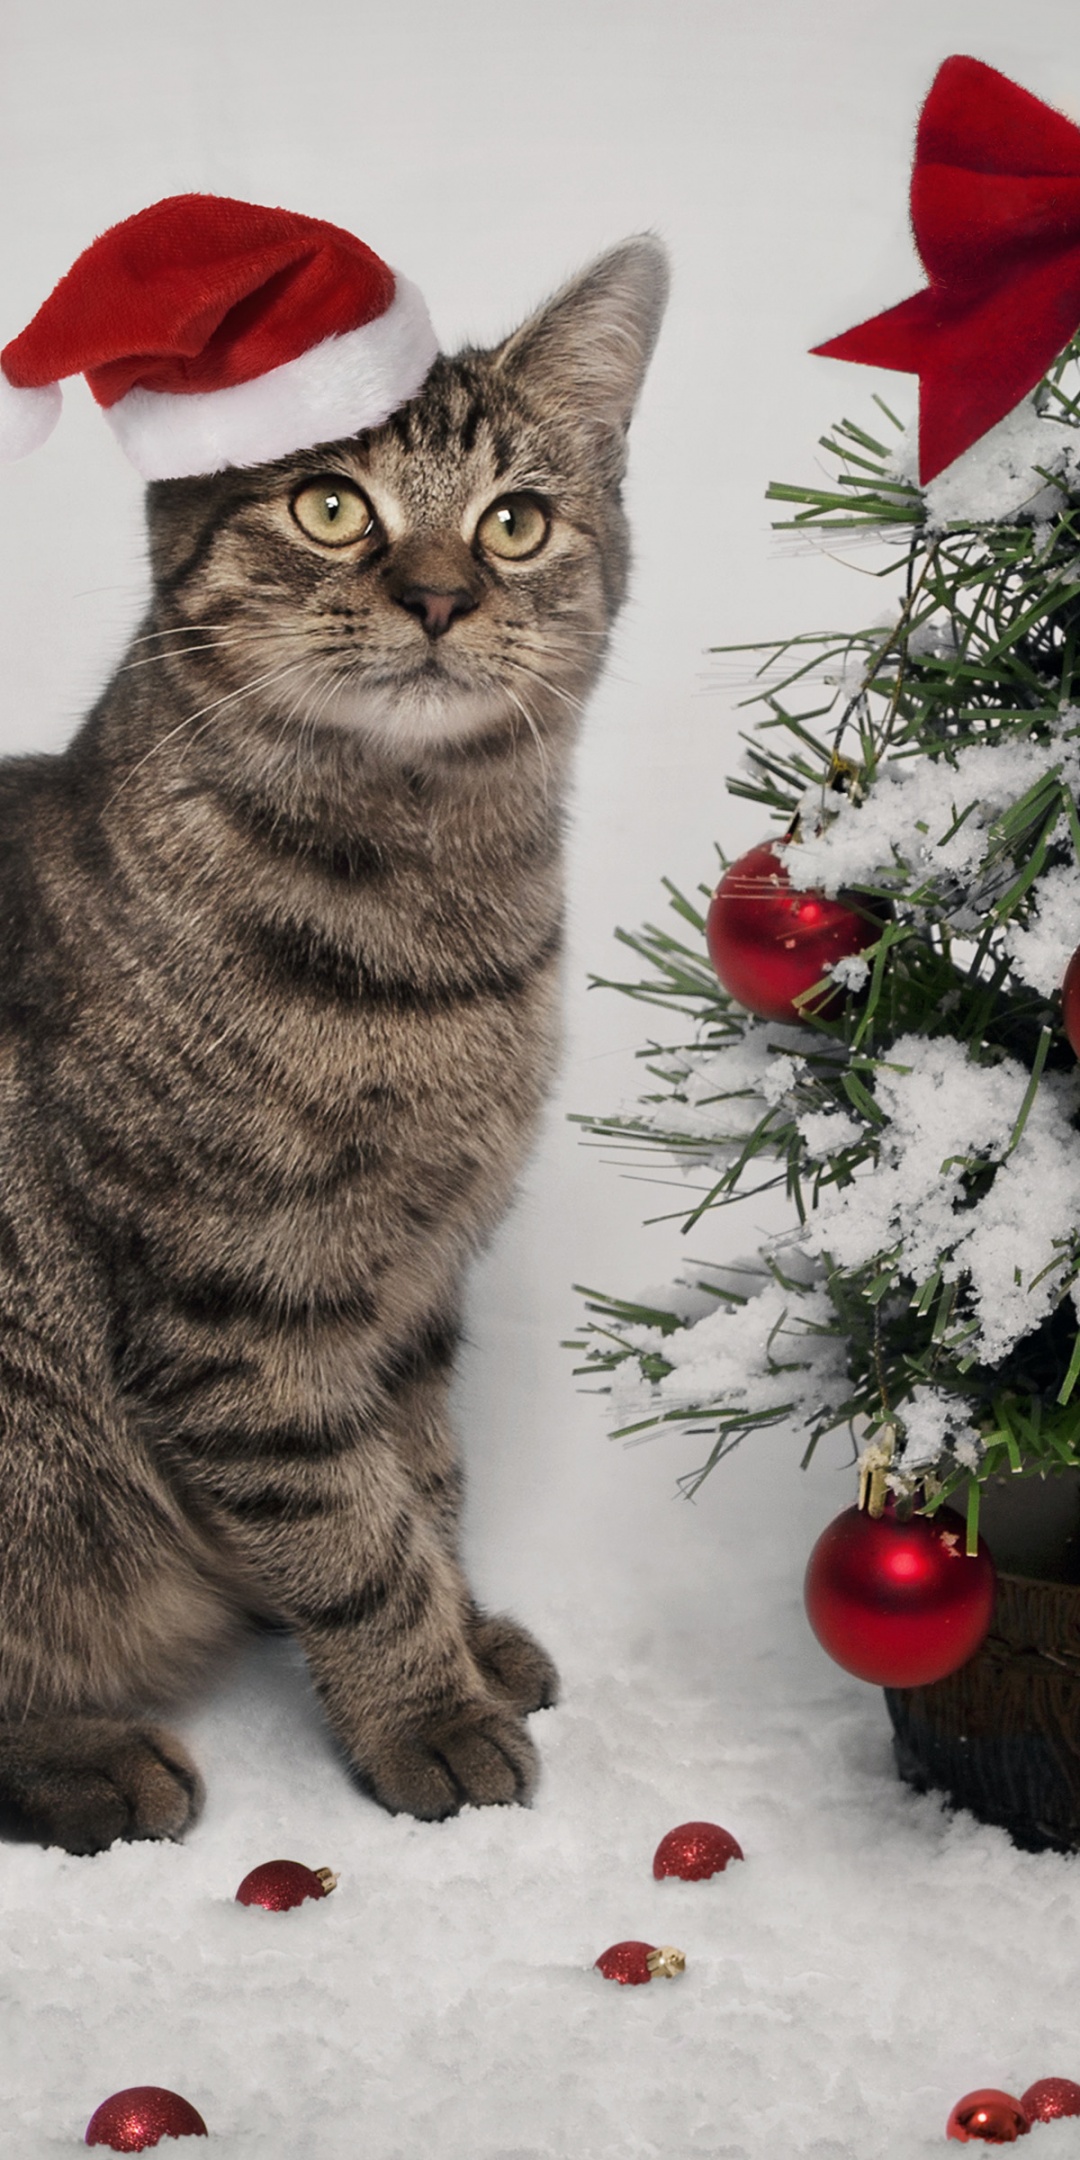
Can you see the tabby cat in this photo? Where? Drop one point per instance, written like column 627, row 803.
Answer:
column 278, row 1012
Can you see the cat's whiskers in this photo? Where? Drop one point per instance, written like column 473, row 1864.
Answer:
column 201, row 629
column 519, row 705
column 569, row 618
column 302, row 721
column 293, row 721
column 552, row 646
column 297, row 717
column 214, row 710
column 310, row 720
column 240, row 630
column 575, row 705
column 179, row 652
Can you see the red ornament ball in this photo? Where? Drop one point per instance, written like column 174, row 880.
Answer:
column 626, row 1962
column 1050, row 2097
column 142, row 2115
column 769, row 942
column 899, row 1603
column 279, row 1884
column 994, row 2116
column 1070, row 1002
column 695, row 1850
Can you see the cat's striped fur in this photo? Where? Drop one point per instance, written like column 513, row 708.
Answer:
column 277, row 1012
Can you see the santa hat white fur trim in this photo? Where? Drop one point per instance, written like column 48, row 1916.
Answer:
column 338, row 387
column 27, row 417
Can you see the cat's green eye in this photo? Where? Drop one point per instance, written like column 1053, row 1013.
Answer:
column 514, row 527
column 333, row 512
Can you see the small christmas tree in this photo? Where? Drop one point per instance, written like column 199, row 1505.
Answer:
column 909, row 925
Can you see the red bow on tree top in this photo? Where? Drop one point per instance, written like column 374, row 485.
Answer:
column 995, row 206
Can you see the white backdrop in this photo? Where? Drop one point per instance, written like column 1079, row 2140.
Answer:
column 489, row 148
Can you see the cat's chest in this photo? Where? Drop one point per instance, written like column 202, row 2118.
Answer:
column 327, row 1057
column 338, row 1138
column 409, row 974
column 320, row 1141
column 288, row 1059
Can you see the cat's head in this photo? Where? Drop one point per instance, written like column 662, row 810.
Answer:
column 451, row 573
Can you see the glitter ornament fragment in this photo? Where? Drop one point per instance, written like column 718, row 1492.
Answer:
column 1049, row 2098
column 279, row 1884
column 994, row 2116
column 142, row 2115
column 634, row 1963
column 695, row 1850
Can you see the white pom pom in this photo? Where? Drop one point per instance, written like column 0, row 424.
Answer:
column 27, row 417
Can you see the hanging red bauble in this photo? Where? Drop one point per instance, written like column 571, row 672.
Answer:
column 899, row 1603
column 142, row 2115
column 279, row 1884
column 769, row 942
column 1050, row 2097
column 988, row 2114
column 1070, row 1002
column 632, row 1963
column 695, row 1850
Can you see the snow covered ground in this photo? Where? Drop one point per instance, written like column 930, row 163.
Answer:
column 872, row 1959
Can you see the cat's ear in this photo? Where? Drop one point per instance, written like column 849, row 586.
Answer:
column 585, row 353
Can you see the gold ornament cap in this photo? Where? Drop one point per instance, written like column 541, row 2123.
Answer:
column 327, row 1878
column 666, row 1963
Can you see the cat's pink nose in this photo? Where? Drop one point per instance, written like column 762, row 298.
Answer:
column 436, row 610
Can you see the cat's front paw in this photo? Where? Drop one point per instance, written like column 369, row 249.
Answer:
column 477, row 1755
column 84, row 1782
column 513, row 1662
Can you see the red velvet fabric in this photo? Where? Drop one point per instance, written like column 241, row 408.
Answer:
column 995, row 207
column 197, row 293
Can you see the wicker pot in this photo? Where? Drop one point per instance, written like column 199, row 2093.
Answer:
column 1002, row 1735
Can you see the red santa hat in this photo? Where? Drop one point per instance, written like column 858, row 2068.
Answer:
column 218, row 333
